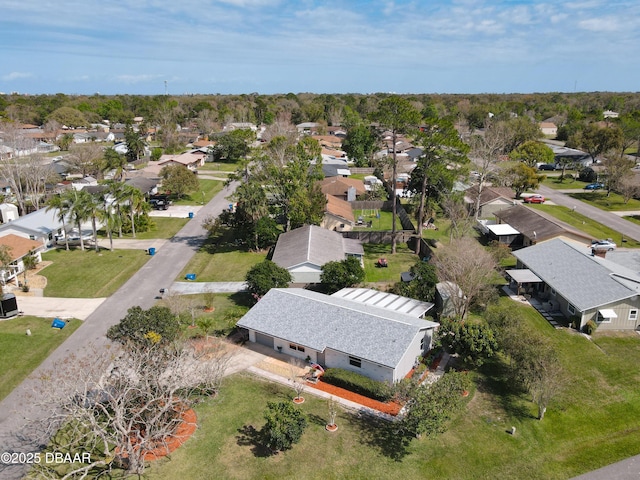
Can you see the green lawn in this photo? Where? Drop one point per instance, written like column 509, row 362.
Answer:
column 218, row 167
column 633, row 218
column 554, row 182
column 210, row 188
column 399, row 262
column 377, row 224
column 613, row 202
column 220, row 259
column 21, row 354
column 585, row 224
column 89, row 274
column 594, row 422
column 164, row 227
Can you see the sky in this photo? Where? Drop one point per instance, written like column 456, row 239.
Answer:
column 153, row 47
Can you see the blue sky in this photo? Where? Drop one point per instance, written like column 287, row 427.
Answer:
column 321, row 46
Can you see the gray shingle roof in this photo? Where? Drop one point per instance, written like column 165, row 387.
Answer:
column 585, row 281
column 312, row 244
column 321, row 321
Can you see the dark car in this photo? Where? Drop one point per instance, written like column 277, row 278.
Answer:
column 546, row 166
column 594, row 186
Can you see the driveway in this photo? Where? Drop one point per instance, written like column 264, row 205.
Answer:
column 18, row 409
column 63, row 308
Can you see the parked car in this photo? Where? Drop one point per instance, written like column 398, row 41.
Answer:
column 534, row 199
column 547, row 166
column 594, row 186
column 607, row 244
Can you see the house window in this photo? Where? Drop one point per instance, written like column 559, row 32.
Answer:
column 553, row 292
column 633, row 315
column 293, row 346
column 422, row 344
column 571, row 309
column 355, row 361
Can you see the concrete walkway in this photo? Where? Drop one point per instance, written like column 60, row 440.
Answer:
column 190, row 288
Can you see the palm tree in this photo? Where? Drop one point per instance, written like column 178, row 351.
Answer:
column 114, row 161
column 109, row 214
column 62, row 208
column 79, row 208
column 137, row 204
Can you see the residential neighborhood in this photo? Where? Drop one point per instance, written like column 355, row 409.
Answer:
column 393, row 275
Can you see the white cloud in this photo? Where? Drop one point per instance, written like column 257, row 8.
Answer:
column 16, row 76
column 606, row 24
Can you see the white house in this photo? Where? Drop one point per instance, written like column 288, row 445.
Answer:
column 303, row 251
column 339, row 333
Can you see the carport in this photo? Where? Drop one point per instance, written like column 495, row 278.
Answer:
column 523, row 276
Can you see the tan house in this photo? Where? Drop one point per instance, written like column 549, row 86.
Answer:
column 343, row 188
column 18, row 248
column 338, row 215
column 192, row 159
column 548, row 128
column 492, row 200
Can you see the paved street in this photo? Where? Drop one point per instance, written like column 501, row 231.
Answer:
column 609, row 219
column 141, row 289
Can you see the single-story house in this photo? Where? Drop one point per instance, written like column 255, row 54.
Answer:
column 148, row 186
column 570, row 279
column 343, row 188
column 18, row 248
column 192, row 159
column 534, row 227
column 548, row 128
column 492, row 199
column 338, row 215
column 303, row 251
column 338, row 333
column 42, row 225
column 570, row 156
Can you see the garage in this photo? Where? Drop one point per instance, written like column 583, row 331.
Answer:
column 263, row 339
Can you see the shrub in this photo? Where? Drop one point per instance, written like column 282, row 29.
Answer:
column 590, row 327
column 284, row 427
column 358, row 384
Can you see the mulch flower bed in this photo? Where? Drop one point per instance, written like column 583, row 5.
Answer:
column 390, row 408
column 181, row 435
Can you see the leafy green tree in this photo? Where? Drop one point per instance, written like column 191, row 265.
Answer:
column 532, row 153
column 431, row 406
column 61, row 205
column 342, row 274
column 156, row 153
column 29, row 262
column 597, row 140
column 179, row 180
column 265, row 233
column 65, row 141
column 266, row 275
column 112, row 160
column 474, row 342
column 360, row 144
column 398, row 115
column 443, row 155
column 69, row 117
column 233, row 146
column 521, row 178
column 284, row 427
column 422, row 286
column 519, row 131
column 138, row 324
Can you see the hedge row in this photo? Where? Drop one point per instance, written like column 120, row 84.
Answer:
column 357, row 383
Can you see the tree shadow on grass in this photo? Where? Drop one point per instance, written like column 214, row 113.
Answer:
column 248, row 436
column 498, row 381
column 387, row 437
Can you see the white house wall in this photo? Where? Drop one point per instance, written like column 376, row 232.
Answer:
column 622, row 309
column 412, row 353
column 305, row 273
column 381, row 373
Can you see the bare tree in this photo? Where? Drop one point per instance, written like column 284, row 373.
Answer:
column 456, row 211
column 297, row 382
column 629, row 187
column 486, row 149
column 124, row 404
column 86, row 158
column 467, row 272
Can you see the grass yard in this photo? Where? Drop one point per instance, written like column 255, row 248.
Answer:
column 377, row 224
column 210, row 188
column 585, row 224
column 21, row 354
column 75, row 273
column 555, row 183
column 633, row 218
column 399, row 262
column 164, row 227
column 218, row 167
column 594, row 422
column 613, row 202
column 220, row 259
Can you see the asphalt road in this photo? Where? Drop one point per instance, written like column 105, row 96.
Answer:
column 610, row 219
column 18, row 409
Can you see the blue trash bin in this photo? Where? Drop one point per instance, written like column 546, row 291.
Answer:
column 190, row 214
column 191, row 276
column 152, row 251
column 57, row 323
